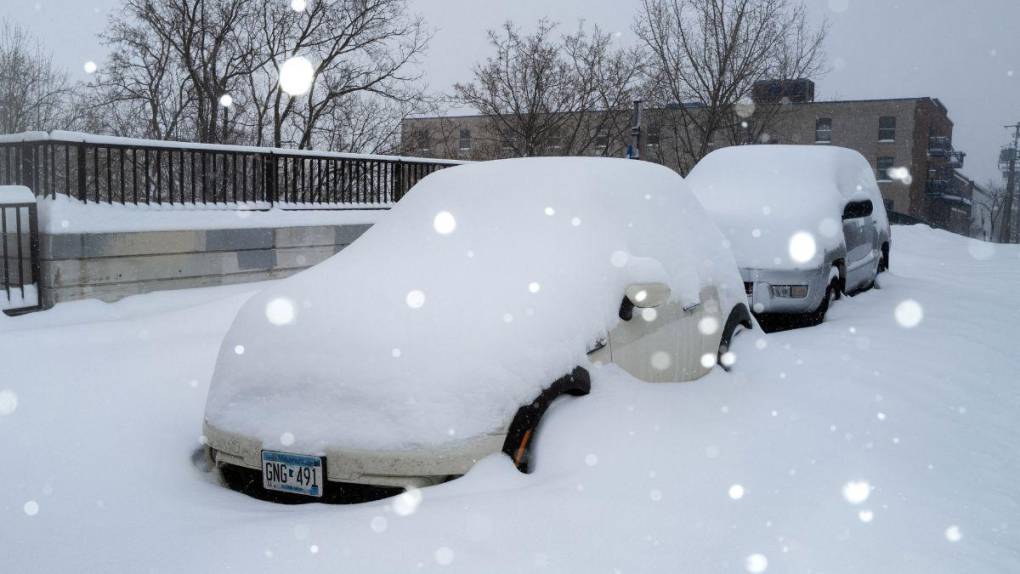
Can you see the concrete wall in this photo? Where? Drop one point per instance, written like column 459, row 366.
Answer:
column 109, row 266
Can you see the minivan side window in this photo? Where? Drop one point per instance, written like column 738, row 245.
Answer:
column 858, row 209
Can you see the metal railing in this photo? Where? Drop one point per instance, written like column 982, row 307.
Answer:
column 950, row 190
column 19, row 258
column 127, row 171
column 939, row 146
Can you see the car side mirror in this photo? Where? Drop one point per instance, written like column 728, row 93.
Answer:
column 858, row 209
column 644, row 295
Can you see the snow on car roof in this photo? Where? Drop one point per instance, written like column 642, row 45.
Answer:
column 761, row 196
column 482, row 286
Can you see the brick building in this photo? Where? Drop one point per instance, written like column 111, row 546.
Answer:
column 907, row 140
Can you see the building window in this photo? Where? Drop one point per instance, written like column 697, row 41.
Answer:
column 884, row 165
column 654, row 135
column 748, row 127
column 507, row 142
column 601, row 140
column 423, row 140
column 465, row 140
column 886, row 129
column 554, row 142
column 823, row 130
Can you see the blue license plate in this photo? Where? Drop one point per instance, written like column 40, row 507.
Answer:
column 293, row 473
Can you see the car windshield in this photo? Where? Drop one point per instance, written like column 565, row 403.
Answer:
column 574, row 286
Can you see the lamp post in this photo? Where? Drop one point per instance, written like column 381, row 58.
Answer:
column 634, row 149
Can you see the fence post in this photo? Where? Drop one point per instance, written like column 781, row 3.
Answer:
column 80, row 149
column 28, row 166
column 33, row 242
column 270, row 178
column 397, row 182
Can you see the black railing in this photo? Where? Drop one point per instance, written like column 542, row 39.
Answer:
column 950, row 190
column 126, row 171
column 938, row 186
column 19, row 257
column 939, row 146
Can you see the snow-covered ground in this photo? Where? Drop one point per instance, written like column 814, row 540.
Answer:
column 884, row 440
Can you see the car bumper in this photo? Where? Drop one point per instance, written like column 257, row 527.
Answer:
column 411, row 468
column 761, row 301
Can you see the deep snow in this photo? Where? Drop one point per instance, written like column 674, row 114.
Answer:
column 101, row 406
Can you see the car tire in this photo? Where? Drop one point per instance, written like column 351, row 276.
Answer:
column 833, row 292
column 520, row 438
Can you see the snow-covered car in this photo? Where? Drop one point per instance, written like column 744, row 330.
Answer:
column 442, row 335
column 805, row 223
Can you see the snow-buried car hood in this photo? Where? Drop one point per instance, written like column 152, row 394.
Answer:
column 413, row 337
column 760, row 196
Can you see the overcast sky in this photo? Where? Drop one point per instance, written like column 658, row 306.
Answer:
column 966, row 53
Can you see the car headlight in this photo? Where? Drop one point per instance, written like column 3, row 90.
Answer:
column 788, row 291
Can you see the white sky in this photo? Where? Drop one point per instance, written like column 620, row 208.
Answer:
column 966, row 53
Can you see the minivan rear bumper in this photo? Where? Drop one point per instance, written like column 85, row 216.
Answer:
column 761, row 300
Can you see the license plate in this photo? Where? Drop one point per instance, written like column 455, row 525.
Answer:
column 294, row 473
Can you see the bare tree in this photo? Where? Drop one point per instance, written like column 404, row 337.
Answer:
column 173, row 60
column 141, row 91
column 33, row 93
column 989, row 211
column 542, row 94
column 366, row 123
column 363, row 52
column 706, row 55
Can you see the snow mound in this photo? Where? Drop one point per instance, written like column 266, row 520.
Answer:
column 763, row 196
column 481, row 287
column 15, row 194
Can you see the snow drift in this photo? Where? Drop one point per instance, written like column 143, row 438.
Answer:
column 481, row 287
column 760, row 196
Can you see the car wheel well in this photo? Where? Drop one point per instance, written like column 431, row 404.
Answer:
column 521, row 435
column 840, row 265
column 740, row 316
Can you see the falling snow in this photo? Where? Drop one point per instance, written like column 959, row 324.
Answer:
column 444, row 223
column 856, row 491
column 802, row 247
column 280, row 311
column 8, row 402
column 415, row 299
column 909, row 314
column 756, row 563
column 296, row 76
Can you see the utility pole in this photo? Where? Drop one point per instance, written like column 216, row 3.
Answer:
column 1006, row 233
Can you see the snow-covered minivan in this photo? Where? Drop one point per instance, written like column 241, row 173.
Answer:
column 443, row 333
column 805, row 223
